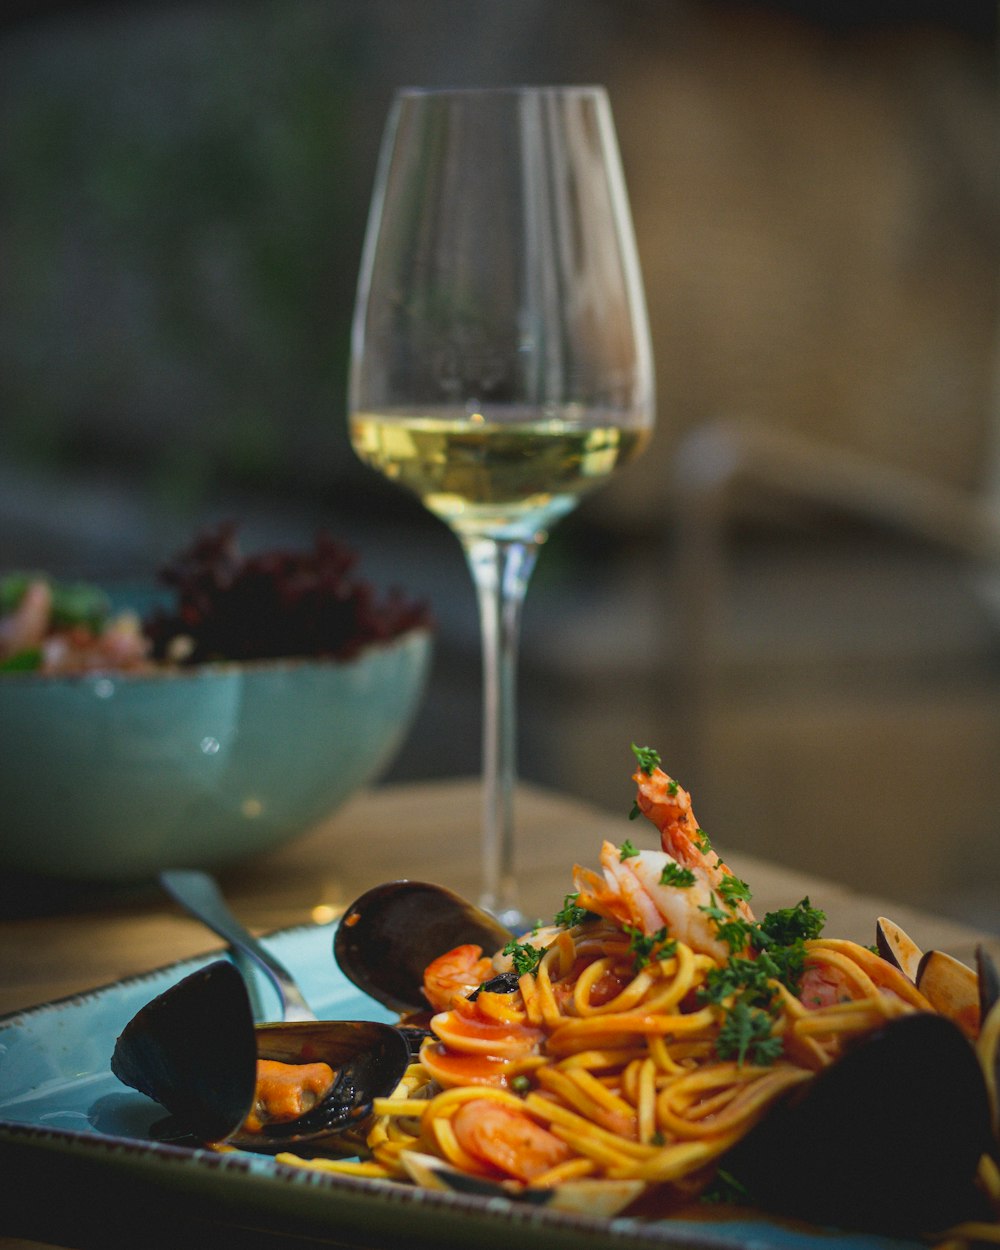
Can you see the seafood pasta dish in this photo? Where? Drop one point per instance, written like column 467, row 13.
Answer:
column 641, row 1036
column 659, row 1045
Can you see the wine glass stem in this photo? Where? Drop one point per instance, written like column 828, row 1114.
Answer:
column 500, row 571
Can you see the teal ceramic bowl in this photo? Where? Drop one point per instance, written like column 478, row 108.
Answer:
column 111, row 778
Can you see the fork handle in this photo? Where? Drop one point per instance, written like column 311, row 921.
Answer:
column 199, row 895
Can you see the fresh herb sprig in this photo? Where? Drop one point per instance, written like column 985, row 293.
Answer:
column 647, row 758
column 673, row 874
column 525, row 957
column 747, row 1035
column 571, row 913
column 773, row 950
column 646, row 947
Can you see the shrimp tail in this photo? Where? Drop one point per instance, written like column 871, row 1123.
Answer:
column 666, row 803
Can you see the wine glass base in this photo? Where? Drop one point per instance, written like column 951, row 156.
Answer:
column 514, row 920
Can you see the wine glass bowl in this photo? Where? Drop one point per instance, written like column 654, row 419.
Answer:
column 500, row 362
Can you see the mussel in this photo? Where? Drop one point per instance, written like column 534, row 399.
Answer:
column 952, row 988
column 886, row 1140
column 388, row 936
column 194, row 1050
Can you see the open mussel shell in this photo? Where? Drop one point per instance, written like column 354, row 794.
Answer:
column 989, row 981
column 388, row 936
column 897, row 947
column 194, row 1050
column 600, row 1198
column 885, row 1140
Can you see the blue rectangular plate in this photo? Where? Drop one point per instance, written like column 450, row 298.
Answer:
column 70, row 1129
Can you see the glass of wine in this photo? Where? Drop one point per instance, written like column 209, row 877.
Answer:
column 500, row 356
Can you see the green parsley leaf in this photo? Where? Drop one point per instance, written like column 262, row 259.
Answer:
column 746, row 1035
column 701, row 841
column 733, row 890
column 636, row 812
column 673, row 787
column 748, row 979
column 570, row 914
column 645, row 948
column 628, row 850
column 791, row 924
column 525, row 956
column 647, row 757
column 734, row 932
column 674, row 874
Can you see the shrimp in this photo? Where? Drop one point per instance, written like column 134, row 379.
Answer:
column 454, row 974
column 633, row 892
column 28, row 624
column 507, row 1140
column 668, row 805
column 682, row 887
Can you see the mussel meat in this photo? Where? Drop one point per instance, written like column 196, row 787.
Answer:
column 887, row 1140
column 194, row 1049
column 388, row 936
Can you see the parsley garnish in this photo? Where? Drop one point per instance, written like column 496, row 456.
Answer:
column 742, row 987
column 791, row 924
column 725, row 1188
column 571, row 914
column 525, row 956
column 647, row 757
column 734, row 932
column 674, row 874
column 748, row 978
column 655, row 946
column 733, row 890
column 746, row 1035
column 627, row 850
column 520, row 1084
column 701, row 841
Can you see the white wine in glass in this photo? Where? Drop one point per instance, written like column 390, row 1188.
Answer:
column 500, row 357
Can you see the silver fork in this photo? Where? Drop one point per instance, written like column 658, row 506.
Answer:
column 198, row 894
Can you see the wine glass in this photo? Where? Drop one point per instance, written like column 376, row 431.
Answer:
column 500, row 356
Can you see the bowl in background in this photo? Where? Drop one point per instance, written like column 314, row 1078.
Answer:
column 113, row 777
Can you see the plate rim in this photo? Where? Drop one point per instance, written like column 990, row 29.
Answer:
column 536, row 1226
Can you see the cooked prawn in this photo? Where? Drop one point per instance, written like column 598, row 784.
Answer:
column 455, row 974
column 507, row 1140
column 28, row 624
column 668, row 805
column 634, row 892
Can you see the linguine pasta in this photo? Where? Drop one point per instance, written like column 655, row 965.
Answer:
column 638, row 1038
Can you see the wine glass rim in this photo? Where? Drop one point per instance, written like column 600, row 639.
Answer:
column 512, row 89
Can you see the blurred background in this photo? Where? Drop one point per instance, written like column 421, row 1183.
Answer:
column 794, row 595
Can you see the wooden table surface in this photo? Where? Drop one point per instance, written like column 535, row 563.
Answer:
column 61, row 946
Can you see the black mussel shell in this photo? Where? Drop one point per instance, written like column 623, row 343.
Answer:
column 887, row 1140
column 388, row 936
column 368, row 1059
column 194, row 1050
column 502, row 983
column 989, row 982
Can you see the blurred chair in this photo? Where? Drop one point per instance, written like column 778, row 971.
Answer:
column 720, row 456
